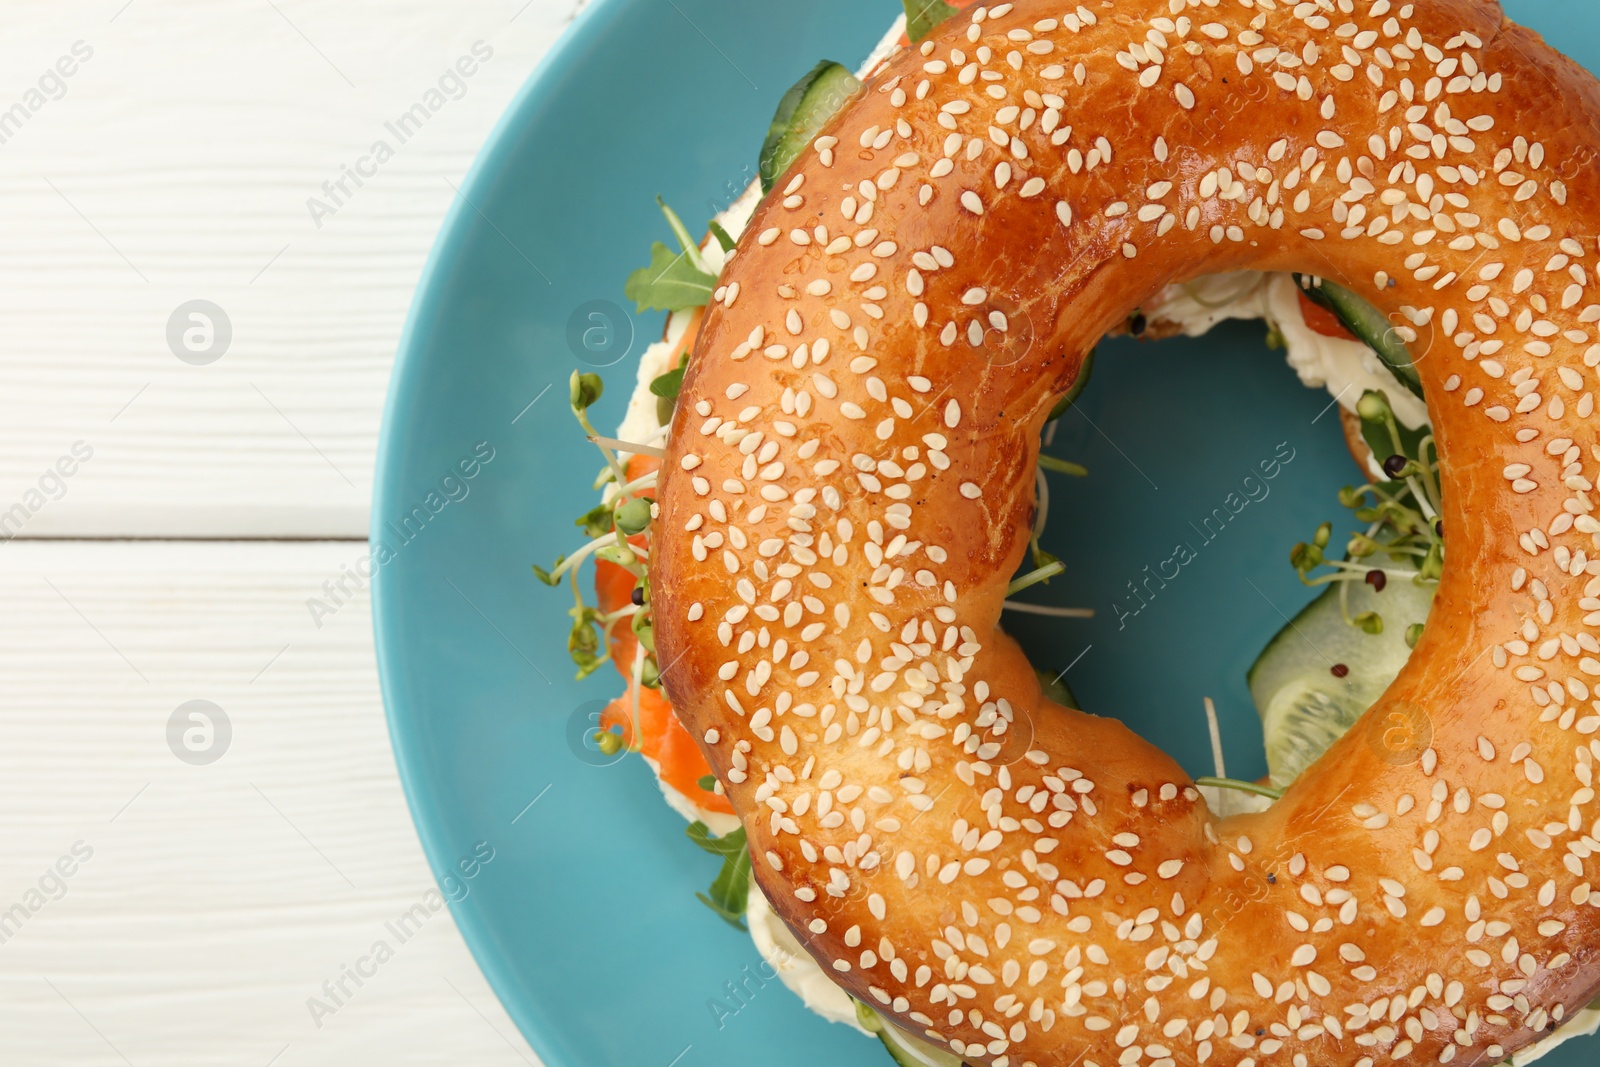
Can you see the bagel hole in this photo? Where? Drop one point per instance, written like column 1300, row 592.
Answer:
column 1208, row 460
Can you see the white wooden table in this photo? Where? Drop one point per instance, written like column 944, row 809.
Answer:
column 171, row 517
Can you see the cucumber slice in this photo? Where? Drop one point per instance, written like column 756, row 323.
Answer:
column 1369, row 326
column 1057, row 690
column 1076, row 391
column 905, row 1050
column 812, row 101
column 1304, row 707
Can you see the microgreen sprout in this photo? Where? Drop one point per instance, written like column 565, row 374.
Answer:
column 1400, row 515
column 633, row 517
column 1046, row 565
column 613, row 527
column 1243, row 787
column 586, row 390
column 1061, row 466
column 1034, row 577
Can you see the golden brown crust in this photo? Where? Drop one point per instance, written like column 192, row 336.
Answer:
column 849, row 480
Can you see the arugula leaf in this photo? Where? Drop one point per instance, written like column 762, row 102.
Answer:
column 923, row 15
column 667, row 385
column 670, row 283
column 724, row 238
column 690, row 247
column 729, row 892
column 729, row 845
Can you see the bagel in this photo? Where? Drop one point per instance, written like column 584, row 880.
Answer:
column 1027, row 884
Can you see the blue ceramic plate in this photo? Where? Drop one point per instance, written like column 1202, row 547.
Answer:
column 585, row 919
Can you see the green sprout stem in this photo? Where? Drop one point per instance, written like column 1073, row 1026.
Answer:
column 636, row 683
column 1243, row 787
column 1061, row 466
column 610, row 624
column 1046, row 609
column 611, row 457
column 690, row 247
column 638, row 553
column 1428, row 477
column 1394, row 430
column 1032, row 578
column 577, row 557
column 578, row 609
column 1422, row 498
column 1042, row 512
column 630, row 447
column 1364, row 489
column 649, row 481
column 577, row 594
column 1354, row 572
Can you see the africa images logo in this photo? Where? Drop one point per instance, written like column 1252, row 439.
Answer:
column 452, row 488
column 1253, row 489
column 451, row 85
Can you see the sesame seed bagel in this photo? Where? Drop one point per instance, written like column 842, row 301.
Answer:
column 849, row 485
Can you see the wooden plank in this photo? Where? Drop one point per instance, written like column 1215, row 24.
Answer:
column 207, row 903
column 178, row 162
